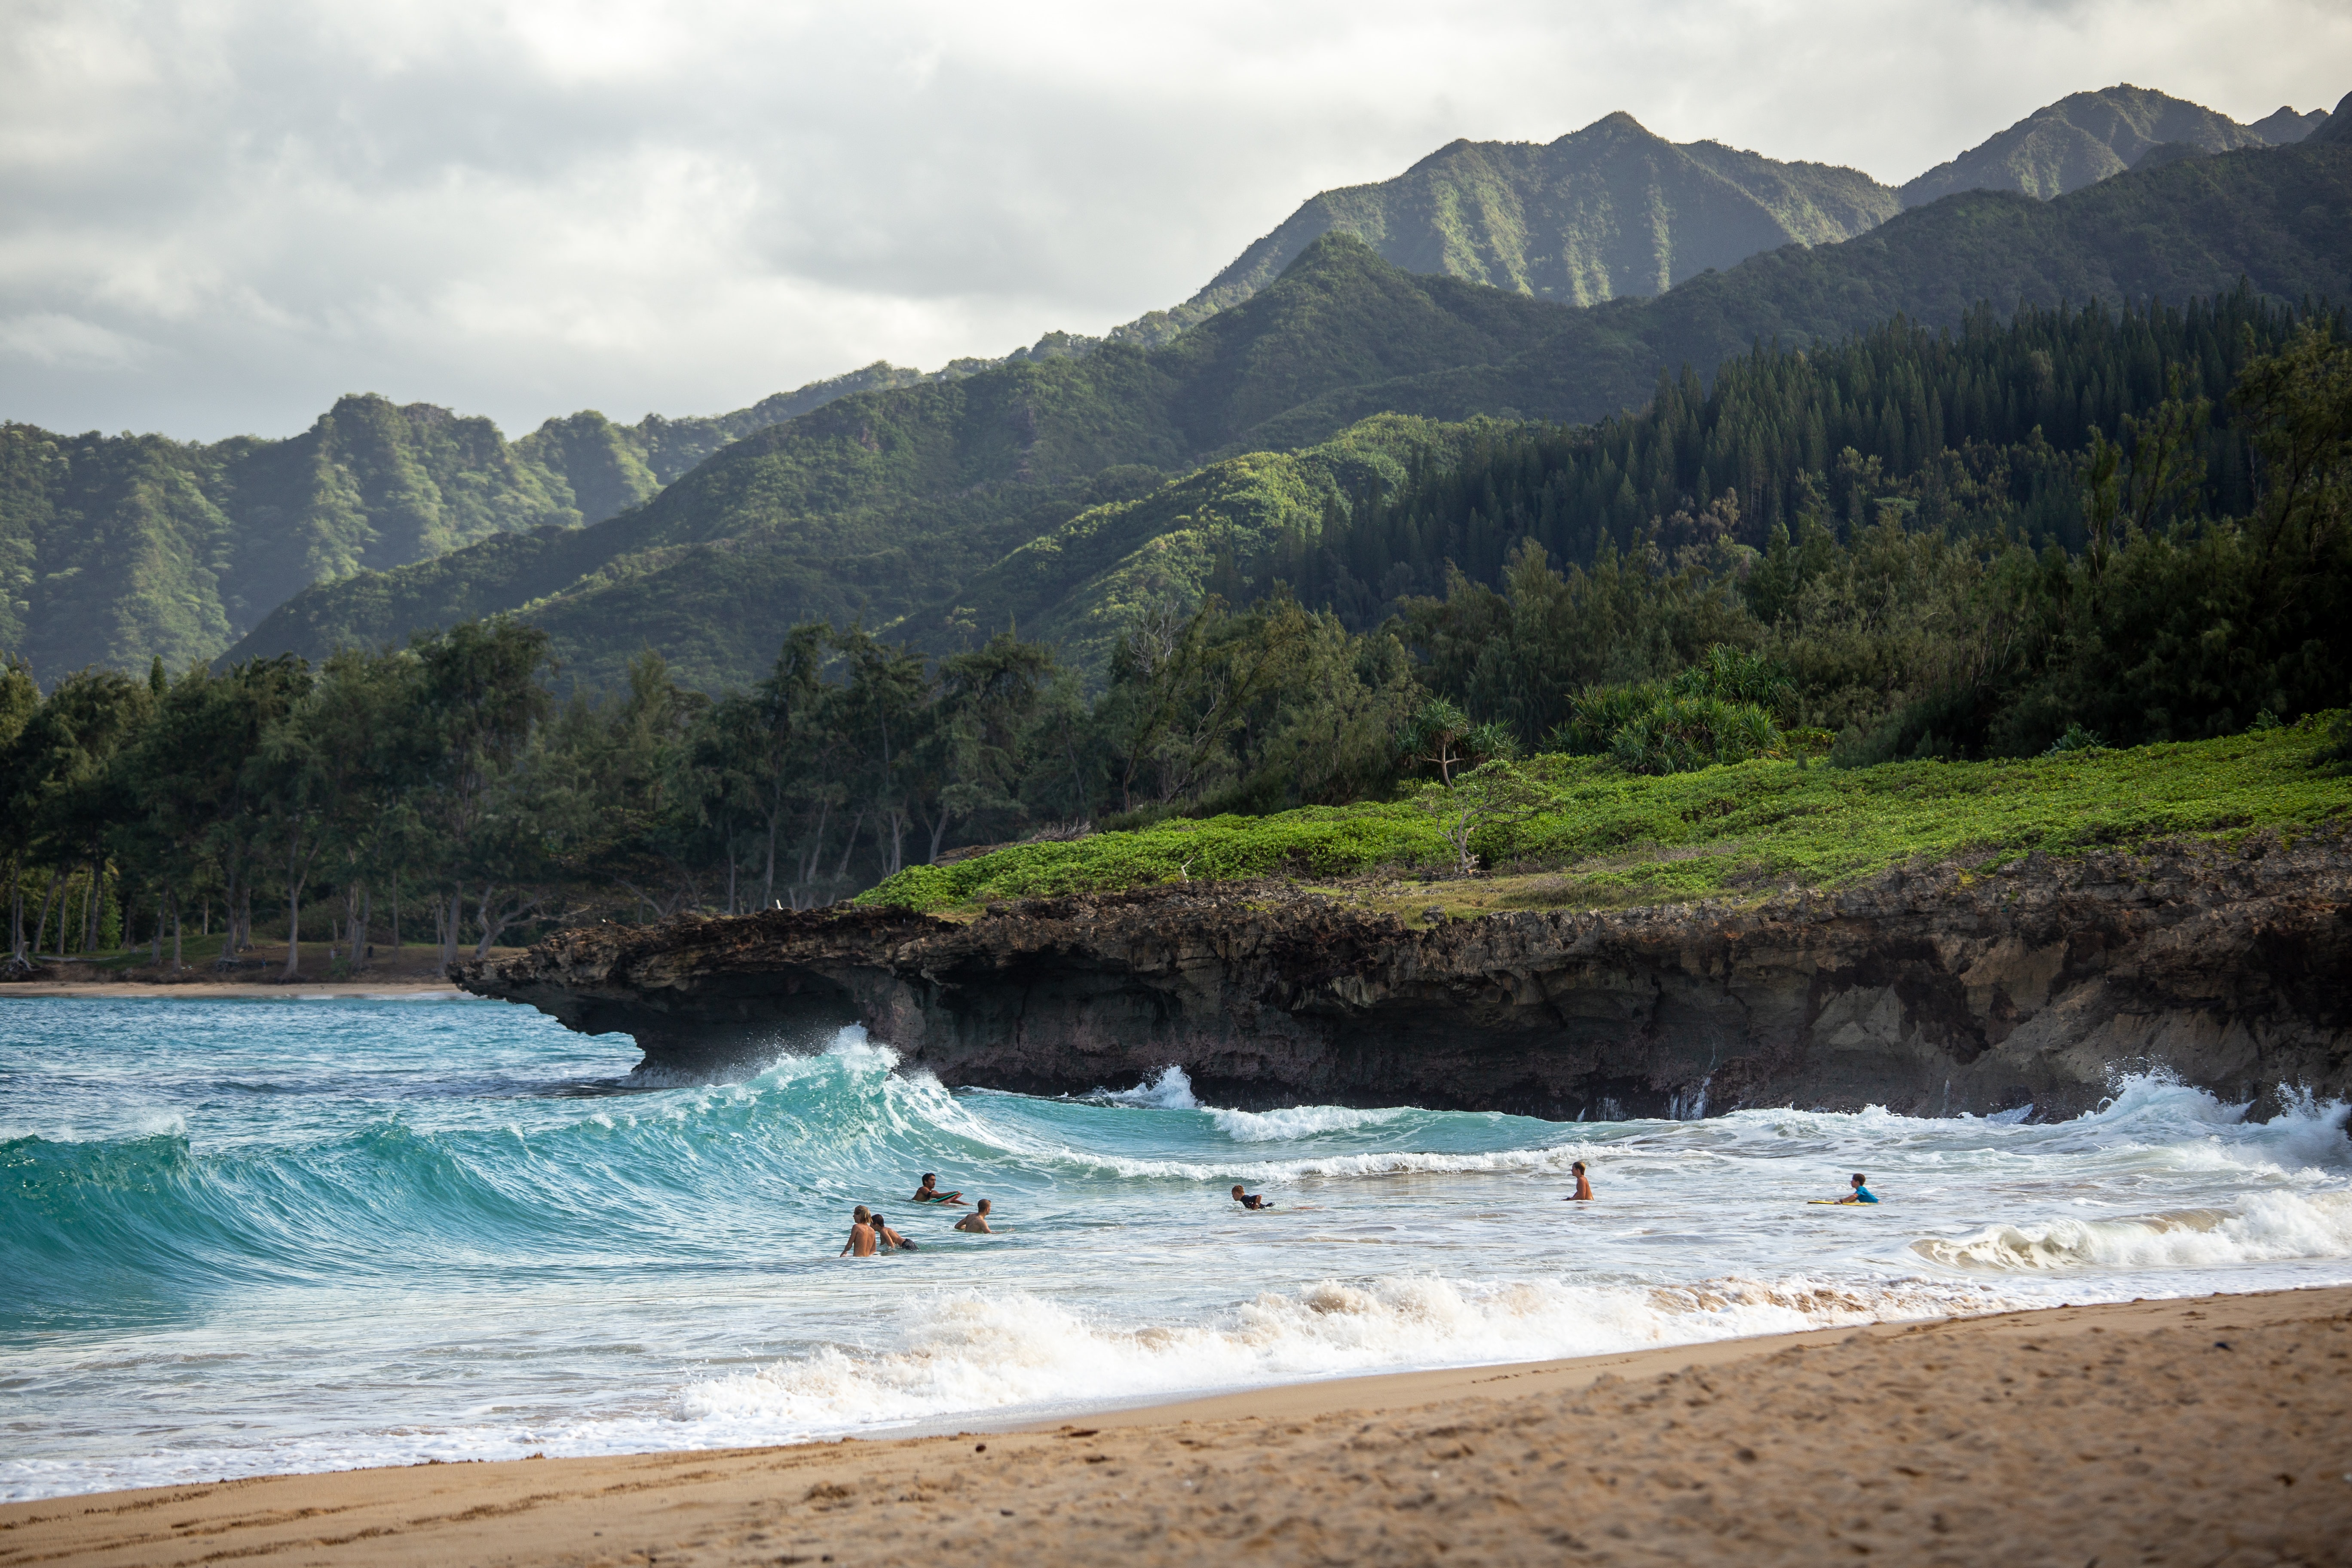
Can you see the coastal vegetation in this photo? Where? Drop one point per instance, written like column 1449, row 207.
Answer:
column 2089, row 580
column 1590, row 835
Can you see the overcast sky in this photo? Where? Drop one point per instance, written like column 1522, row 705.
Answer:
column 216, row 215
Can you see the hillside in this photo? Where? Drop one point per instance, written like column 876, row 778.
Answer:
column 2085, row 137
column 924, row 502
column 1604, row 211
column 886, row 501
column 115, row 548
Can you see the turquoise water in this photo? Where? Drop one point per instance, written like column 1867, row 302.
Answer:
column 238, row 1238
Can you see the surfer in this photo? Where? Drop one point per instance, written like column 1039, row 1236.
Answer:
column 890, row 1239
column 1583, row 1184
column 1862, row 1192
column 1249, row 1200
column 929, row 1192
column 861, row 1234
column 976, row 1222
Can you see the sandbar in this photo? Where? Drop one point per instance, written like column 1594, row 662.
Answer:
column 2208, row 1430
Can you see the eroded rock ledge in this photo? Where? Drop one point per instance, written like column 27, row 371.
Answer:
column 1927, row 992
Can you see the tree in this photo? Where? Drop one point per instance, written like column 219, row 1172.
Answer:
column 1492, row 794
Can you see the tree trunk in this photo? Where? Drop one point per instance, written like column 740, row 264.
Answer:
column 395, row 913
column 176, row 931
column 16, row 909
column 730, row 873
column 157, row 956
column 768, row 883
column 293, row 917
column 41, row 931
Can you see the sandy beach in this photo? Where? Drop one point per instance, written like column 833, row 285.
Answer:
column 2211, row 1430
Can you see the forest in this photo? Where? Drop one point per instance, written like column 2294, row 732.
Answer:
column 2070, row 529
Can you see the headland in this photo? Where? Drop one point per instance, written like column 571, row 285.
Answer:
column 1930, row 990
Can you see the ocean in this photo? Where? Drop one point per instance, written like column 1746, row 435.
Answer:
column 245, row 1238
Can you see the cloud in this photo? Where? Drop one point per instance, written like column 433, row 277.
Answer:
column 217, row 215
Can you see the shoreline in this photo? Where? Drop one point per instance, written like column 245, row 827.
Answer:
column 228, row 990
column 2182, row 1428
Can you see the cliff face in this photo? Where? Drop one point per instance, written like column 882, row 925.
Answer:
column 1929, row 992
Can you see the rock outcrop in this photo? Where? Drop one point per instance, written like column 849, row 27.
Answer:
column 1927, row 992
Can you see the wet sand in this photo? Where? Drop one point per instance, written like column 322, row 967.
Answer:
column 2213, row 1431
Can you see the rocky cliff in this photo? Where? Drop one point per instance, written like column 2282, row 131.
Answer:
column 1927, row 992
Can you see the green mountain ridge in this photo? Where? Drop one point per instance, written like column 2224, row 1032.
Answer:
column 1036, row 494
column 115, row 548
column 1605, row 211
column 2083, row 138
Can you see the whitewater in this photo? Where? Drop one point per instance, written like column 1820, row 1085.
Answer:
column 245, row 1237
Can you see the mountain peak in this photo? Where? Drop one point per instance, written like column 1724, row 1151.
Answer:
column 2079, row 141
column 2337, row 129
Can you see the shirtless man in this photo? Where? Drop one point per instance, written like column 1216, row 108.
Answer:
column 890, row 1239
column 976, row 1222
column 929, row 1192
column 1249, row 1200
column 862, row 1240
column 1583, row 1185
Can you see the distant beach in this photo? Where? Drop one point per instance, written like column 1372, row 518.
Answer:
column 2185, row 1431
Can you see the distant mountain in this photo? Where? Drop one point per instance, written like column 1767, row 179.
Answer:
column 1039, row 493
column 2079, row 141
column 2337, row 130
column 117, row 548
column 1604, row 211
column 888, row 502
column 2285, row 126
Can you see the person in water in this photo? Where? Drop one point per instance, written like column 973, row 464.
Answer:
column 1862, row 1192
column 862, row 1240
column 1249, row 1200
column 890, row 1239
column 1583, row 1184
column 929, row 1192
column 976, row 1222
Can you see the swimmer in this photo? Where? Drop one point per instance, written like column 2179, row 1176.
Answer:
column 1249, row 1200
column 976, row 1222
column 1861, row 1194
column 890, row 1239
column 861, row 1234
column 1583, row 1185
column 929, row 1192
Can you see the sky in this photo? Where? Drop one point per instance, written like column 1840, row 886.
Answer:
column 217, row 216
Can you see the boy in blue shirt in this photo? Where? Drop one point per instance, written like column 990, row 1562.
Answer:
column 1861, row 1194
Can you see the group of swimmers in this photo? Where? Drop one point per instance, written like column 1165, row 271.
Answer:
column 870, row 1234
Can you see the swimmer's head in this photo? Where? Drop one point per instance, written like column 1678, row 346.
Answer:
column 861, row 1214
column 1859, row 1178
column 1237, row 1189
column 983, row 1206
column 929, row 1177
column 1578, row 1167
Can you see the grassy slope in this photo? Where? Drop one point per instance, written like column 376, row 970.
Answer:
column 1757, row 827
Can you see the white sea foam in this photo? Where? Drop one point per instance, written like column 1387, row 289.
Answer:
column 1300, row 1121
column 970, row 1352
column 1172, row 1090
column 2266, row 1227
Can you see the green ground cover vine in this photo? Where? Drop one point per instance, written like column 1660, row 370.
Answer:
column 1611, row 837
